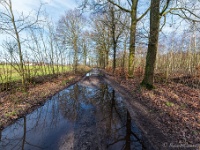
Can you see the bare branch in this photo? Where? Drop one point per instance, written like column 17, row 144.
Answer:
column 182, row 12
column 144, row 14
column 165, row 7
column 163, row 23
column 130, row 3
column 120, row 7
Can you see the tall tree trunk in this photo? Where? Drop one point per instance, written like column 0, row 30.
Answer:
column 52, row 57
column 21, row 64
column 132, row 38
column 75, row 56
column 106, row 57
column 153, row 44
column 114, row 56
column 85, row 53
column 123, row 58
column 114, row 41
column 134, row 20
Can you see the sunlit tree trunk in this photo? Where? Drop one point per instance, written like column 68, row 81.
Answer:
column 85, row 54
column 132, row 38
column 114, row 40
column 124, row 55
column 134, row 20
column 21, row 64
column 75, row 47
column 153, row 44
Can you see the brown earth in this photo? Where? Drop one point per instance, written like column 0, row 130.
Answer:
column 168, row 115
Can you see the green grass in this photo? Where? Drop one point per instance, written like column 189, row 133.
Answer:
column 169, row 104
column 11, row 114
column 8, row 73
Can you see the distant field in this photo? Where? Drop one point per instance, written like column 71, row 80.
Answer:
column 8, row 73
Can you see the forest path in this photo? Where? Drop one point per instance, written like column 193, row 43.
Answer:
column 90, row 114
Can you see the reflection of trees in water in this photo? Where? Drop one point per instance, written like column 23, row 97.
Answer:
column 113, row 123
column 40, row 121
column 122, row 139
column 128, row 132
column 121, row 127
column 18, row 140
column 26, row 143
column 54, row 111
column 69, row 102
column 85, row 125
column 98, row 114
column 47, row 115
column 24, row 136
column 43, row 119
column 0, row 135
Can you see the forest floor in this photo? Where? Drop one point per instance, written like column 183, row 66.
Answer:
column 17, row 103
column 173, row 107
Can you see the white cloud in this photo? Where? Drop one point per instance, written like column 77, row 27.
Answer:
column 55, row 8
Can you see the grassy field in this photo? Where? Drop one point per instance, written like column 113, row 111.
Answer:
column 10, row 73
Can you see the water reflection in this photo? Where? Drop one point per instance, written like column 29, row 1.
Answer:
column 0, row 134
column 78, row 117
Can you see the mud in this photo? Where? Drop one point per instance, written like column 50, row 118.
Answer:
column 87, row 115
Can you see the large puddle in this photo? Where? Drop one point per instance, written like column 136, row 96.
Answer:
column 80, row 118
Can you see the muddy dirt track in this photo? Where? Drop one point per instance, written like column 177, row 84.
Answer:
column 94, row 113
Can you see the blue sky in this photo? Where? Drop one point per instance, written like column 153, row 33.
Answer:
column 55, row 8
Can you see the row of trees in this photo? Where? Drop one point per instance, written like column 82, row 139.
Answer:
column 143, row 26
column 34, row 45
column 116, row 35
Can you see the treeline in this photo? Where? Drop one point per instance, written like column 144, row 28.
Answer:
column 125, row 38
column 128, row 37
column 34, row 45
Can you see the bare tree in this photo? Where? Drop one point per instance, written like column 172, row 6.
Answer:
column 51, row 40
column 85, row 45
column 183, row 9
column 13, row 27
column 153, row 43
column 117, row 26
column 134, row 20
column 102, row 37
column 132, row 9
column 69, row 30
